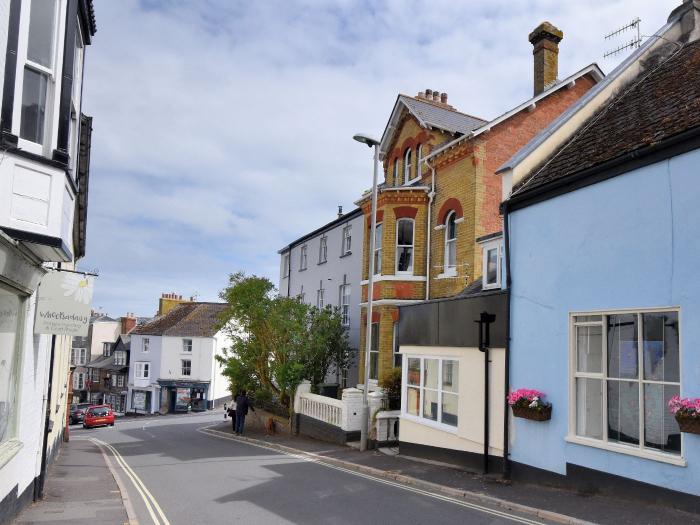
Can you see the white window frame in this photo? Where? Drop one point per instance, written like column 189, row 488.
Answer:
column 106, row 349
column 113, row 380
column 145, row 344
column 378, row 241
column 450, row 269
column 323, row 249
column 345, row 291
column 187, row 367
column 419, row 164
column 120, row 381
column 623, row 448
column 440, row 390
column 407, row 155
column 51, row 73
column 79, row 381
column 347, row 239
column 187, row 346
column 373, row 350
column 401, row 246
column 397, row 358
column 397, row 172
column 79, row 356
column 488, row 247
column 142, row 370
column 320, row 293
column 303, row 257
column 120, row 358
column 285, row 265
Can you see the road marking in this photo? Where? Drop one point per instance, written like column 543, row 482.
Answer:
column 310, row 458
column 140, row 486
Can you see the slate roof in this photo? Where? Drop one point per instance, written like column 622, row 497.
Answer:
column 441, row 117
column 185, row 320
column 662, row 102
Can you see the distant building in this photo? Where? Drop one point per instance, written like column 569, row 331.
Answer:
column 323, row 268
column 103, row 331
column 173, row 364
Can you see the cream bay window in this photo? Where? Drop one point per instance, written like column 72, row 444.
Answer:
column 625, row 369
column 404, row 246
column 432, row 390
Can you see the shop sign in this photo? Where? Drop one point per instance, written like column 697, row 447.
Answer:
column 139, row 400
column 64, row 303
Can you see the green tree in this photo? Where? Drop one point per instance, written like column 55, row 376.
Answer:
column 327, row 348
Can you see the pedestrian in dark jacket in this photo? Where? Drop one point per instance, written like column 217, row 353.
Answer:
column 242, row 406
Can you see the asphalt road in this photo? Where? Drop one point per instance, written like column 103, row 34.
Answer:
column 175, row 474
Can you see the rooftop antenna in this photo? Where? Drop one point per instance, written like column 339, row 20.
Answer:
column 634, row 25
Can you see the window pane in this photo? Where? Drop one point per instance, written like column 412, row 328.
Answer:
column 660, row 331
column 589, row 348
column 430, row 404
column 374, row 365
column 413, row 401
column 404, row 234
column 589, row 408
column 450, row 254
column 623, row 411
column 492, row 266
column 449, row 409
column 405, row 259
column 9, row 321
column 660, row 426
column 413, row 372
column 622, row 346
column 450, row 376
column 430, row 373
column 39, row 46
column 33, row 106
column 588, row 319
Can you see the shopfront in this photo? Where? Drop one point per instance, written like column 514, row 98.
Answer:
column 183, row 396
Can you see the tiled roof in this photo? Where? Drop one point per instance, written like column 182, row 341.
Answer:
column 661, row 102
column 186, row 320
column 441, row 117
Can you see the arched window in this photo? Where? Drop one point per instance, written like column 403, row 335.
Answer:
column 450, row 243
column 397, row 175
column 404, row 246
column 407, row 165
column 419, row 161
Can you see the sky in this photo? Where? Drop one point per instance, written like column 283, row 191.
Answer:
column 223, row 129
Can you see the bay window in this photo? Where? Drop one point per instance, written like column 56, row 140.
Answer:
column 397, row 175
column 378, row 249
column 451, row 243
column 407, row 166
column 431, row 389
column 374, row 353
column 404, row 246
column 419, row 158
column 11, row 320
column 625, row 369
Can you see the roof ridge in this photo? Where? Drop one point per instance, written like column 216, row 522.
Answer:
column 442, row 106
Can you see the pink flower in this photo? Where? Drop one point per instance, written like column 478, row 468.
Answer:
column 687, row 406
column 526, row 394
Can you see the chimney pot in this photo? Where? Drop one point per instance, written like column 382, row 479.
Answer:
column 340, row 211
column 428, row 94
column 420, row 94
column 436, row 95
column 545, row 40
column 443, row 98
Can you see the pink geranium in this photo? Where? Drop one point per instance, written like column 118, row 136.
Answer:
column 529, row 397
column 687, row 406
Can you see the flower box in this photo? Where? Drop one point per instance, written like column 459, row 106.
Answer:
column 688, row 424
column 529, row 404
column 687, row 412
column 534, row 414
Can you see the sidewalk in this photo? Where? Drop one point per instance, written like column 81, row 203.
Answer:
column 80, row 489
column 470, row 485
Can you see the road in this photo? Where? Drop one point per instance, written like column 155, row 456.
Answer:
column 176, row 474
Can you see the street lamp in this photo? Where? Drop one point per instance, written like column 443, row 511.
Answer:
column 370, row 142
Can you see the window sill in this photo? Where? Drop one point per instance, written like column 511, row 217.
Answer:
column 346, row 254
column 429, row 423
column 495, row 286
column 9, row 450
column 679, row 461
column 447, row 275
column 322, row 262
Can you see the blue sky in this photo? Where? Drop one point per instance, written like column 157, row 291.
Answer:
column 223, row 129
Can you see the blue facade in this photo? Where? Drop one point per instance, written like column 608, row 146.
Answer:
column 630, row 242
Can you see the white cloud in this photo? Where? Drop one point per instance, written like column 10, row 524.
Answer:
column 223, row 129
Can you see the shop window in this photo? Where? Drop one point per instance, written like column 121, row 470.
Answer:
column 11, row 318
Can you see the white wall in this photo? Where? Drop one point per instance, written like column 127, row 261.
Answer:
column 468, row 435
column 220, row 384
column 103, row 332
column 201, row 357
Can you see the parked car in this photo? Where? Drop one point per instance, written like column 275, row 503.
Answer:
column 77, row 412
column 98, row 415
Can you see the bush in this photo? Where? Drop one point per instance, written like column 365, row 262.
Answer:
column 391, row 384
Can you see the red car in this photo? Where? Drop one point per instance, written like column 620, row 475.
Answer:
column 98, row 415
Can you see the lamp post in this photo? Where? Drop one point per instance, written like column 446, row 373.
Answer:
column 370, row 142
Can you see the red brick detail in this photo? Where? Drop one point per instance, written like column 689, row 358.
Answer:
column 380, row 218
column 450, row 204
column 405, row 212
column 375, row 317
column 404, row 290
column 395, row 315
column 410, row 142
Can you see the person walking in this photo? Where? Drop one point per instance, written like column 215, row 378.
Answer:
column 242, row 406
column 232, row 413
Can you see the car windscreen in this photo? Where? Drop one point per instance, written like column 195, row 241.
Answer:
column 99, row 412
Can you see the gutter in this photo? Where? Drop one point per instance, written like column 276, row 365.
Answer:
column 506, row 364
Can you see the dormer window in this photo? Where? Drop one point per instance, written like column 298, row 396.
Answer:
column 407, row 165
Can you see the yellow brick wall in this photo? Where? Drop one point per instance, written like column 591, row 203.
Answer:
column 386, row 340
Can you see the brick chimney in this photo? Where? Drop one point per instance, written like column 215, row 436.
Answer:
column 168, row 301
column 128, row 323
column 545, row 41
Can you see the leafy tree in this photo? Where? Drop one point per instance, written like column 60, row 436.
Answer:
column 327, row 347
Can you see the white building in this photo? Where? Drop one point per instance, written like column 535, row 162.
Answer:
column 173, row 366
column 45, row 149
column 103, row 330
column 324, row 268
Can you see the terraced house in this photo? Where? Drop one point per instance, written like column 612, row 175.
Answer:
column 440, row 195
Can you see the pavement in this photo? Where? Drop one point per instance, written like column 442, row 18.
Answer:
column 192, row 469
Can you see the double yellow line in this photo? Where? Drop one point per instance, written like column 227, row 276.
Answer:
column 151, row 504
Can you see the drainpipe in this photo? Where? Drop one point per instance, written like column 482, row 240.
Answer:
column 506, row 367
column 39, row 488
column 431, row 196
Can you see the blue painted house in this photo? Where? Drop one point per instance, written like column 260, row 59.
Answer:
column 602, row 220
